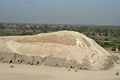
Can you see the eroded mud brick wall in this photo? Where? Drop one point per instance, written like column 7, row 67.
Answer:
column 37, row 60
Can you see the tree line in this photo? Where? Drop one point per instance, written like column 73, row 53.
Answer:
column 89, row 30
column 106, row 36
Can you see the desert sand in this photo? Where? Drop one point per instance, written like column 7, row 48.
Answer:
column 27, row 72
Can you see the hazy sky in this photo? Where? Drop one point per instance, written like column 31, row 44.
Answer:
column 100, row 12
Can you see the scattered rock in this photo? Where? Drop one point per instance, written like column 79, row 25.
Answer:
column 69, row 69
column 11, row 66
column 76, row 70
column 117, row 73
column 31, row 64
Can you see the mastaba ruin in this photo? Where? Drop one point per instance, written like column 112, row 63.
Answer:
column 58, row 49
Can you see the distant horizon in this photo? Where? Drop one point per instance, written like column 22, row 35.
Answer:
column 59, row 24
column 73, row 12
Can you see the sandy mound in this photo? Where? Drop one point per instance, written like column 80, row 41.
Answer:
column 61, row 48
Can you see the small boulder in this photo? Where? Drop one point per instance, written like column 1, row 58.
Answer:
column 117, row 73
column 11, row 66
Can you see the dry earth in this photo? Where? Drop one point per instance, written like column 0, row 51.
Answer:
column 27, row 72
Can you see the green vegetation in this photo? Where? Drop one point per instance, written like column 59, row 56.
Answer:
column 106, row 36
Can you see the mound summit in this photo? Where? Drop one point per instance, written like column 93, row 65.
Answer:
column 58, row 49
